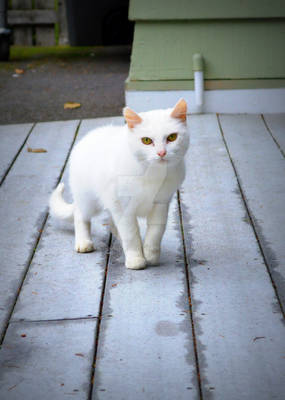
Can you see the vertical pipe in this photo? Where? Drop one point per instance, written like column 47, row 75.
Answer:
column 198, row 68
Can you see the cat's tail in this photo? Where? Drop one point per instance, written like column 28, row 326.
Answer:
column 59, row 208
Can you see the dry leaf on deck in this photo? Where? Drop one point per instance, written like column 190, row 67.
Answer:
column 19, row 71
column 30, row 150
column 71, row 105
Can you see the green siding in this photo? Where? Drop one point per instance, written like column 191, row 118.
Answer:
column 205, row 9
column 219, row 84
column 232, row 49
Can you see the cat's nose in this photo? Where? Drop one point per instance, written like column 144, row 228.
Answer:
column 161, row 153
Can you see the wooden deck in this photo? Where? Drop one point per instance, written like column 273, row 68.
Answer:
column 208, row 323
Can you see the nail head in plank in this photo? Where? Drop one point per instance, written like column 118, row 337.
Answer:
column 47, row 360
column 23, row 198
column 145, row 344
column 261, row 171
column 234, row 304
column 12, row 138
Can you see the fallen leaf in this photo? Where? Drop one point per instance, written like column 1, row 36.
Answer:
column 114, row 284
column 71, row 105
column 258, row 337
column 79, row 354
column 30, row 150
column 34, row 292
column 23, row 335
column 19, row 71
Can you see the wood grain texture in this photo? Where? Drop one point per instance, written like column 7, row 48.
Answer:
column 261, row 170
column 12, row 138
column 146, row 347
column 240, row 331
column 24, row 198
column 47, row 360
column 58, row 272
column 45, row 36
column 231, row 49
column 204, row 9
column 62, row 19
column 276, row 126
column 31, row 17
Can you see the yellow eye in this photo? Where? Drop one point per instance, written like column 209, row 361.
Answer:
column 172, row 137
column 146, row 140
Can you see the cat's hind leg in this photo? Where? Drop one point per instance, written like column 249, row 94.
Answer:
column 82, row 227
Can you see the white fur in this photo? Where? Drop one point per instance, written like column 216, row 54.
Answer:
column 111, row 169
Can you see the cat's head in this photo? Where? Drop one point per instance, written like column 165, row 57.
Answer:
column 158, row 136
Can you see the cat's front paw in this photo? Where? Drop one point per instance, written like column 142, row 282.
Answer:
column 151, row 255
column 84, row 246
column 135, row 262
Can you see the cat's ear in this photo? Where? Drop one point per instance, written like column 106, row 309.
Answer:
column 180, row 110
column 131, row 117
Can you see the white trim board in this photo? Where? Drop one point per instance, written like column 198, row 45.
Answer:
column 249, row 101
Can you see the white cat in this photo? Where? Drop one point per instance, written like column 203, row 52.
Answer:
column 131, row 171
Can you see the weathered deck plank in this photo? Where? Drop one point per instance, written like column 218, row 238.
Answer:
column 23, row 198
column 12, row 138
column 145, row 344
column 261, row 170
column 61, row 283
column 238, row 322
column 47, row 360
column 276, row 125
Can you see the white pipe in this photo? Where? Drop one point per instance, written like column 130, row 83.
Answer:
column 198, row 69
column 199, row 87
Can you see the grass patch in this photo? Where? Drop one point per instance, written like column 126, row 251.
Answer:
column 22, row 53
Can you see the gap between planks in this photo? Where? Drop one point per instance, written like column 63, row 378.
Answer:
column 187, row 278
column 248, row 212
column 100, row 316
column 19, row 321
column 16, row 155
column 38, row 238
column 97, row 334
column 271, row 134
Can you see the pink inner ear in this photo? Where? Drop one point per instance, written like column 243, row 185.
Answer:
column 131, row 117
column 180, row 110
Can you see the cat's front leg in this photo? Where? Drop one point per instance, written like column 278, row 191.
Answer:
column 129, row 235
column 83, row 241
column 156, row 223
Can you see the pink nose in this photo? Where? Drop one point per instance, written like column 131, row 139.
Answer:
column 161, row 153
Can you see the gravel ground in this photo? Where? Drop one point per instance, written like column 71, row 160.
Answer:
column 94, row 79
